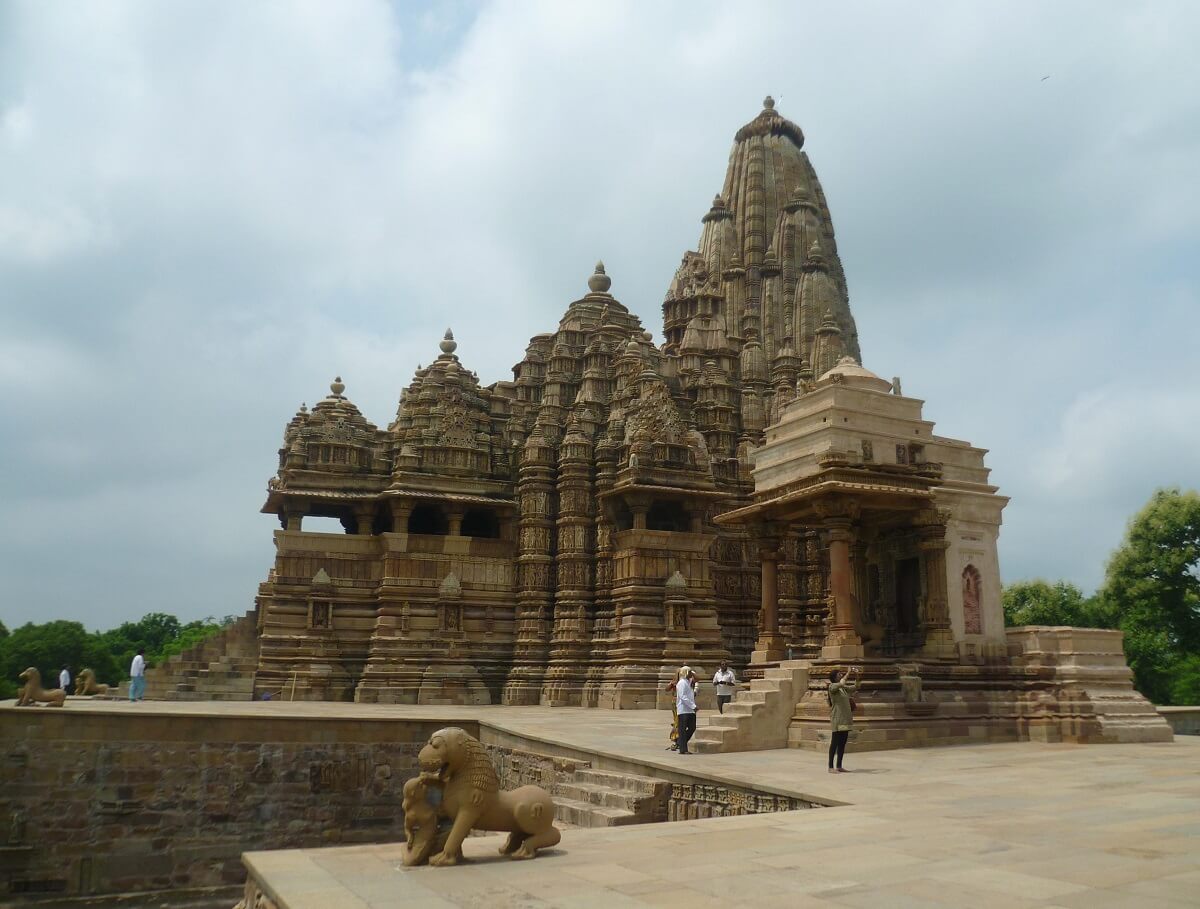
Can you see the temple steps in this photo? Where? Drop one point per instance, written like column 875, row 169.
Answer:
column 758, row 718
column 601, row 798
column 221, row 668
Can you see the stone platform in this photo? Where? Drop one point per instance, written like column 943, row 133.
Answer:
column 1008, row 825
column 1023, row 824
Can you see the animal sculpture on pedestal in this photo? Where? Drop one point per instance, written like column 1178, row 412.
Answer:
column 472, row 799
column 33, row 692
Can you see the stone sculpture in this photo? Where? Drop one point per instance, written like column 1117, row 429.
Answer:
column 471, row 799
column 421, row 821
column 33, row 692
column 86, row 684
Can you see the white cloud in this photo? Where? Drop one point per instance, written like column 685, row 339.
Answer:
column 210, row 210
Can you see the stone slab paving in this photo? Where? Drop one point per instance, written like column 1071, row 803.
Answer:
column 1008, row 825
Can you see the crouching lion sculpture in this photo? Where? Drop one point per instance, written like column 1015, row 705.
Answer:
column 86, row 684
column 457, row 765
column 34, row 692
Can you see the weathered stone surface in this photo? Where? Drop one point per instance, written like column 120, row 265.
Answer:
column 110, row 804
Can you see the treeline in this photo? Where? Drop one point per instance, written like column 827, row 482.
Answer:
column 1151, row 591
column 52, row 645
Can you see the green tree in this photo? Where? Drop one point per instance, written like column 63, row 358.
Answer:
column 3, row 631
column 1042, row 603
column 52, row 645
column 1152, row 589
column 190, row 635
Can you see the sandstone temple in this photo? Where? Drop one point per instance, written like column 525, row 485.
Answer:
column 746, row 490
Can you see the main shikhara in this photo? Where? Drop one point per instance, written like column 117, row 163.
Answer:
column 747, row 490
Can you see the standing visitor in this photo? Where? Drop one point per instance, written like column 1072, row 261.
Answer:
column 685, row 707
column 137, row 676
column 841, row 714
column 680, row 673
column 726, row 683
column 64, row 679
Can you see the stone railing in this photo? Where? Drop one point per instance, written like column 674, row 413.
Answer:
column 1183, row 720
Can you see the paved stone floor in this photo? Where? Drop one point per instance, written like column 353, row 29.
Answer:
column 990, row 825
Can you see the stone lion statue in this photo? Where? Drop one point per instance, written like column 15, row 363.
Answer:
column 34, row 692
column 86, row 684
column 471, row 799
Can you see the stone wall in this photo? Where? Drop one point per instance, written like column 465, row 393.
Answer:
column 109, row 803
column 1183, row 720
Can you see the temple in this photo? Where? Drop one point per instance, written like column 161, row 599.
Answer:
column 746, row 490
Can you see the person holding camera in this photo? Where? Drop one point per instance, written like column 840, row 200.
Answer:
column 841, row 713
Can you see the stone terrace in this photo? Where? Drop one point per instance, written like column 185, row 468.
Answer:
column 1008, row 825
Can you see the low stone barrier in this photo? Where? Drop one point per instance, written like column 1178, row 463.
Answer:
column 1184, row 720
column 104, row 803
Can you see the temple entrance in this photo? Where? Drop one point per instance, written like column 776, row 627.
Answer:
column 908, row 596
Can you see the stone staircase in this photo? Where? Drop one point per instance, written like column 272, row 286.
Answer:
column 756, row 719
column 219, row 669
column 604, row 798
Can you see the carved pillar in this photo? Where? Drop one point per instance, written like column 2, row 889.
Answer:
column 640, row 506
column 364, row 516
column 567, row 667
column 770, row 646
column 535, row 570
column 454, row 521
column 842, row 641
column 295, row 519
column 401, row 510
column 939, row 639
column 858, row 564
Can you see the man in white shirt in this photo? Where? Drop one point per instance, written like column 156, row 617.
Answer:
column 137, row 676
column 64, row 679
column 726, row 684
column 685, row 707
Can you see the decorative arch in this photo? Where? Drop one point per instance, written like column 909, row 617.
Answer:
column 972, row 596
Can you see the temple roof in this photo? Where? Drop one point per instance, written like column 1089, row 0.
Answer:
column 851, row 373
column 770, row 123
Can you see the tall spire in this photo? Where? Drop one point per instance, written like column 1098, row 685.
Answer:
column 758, row 236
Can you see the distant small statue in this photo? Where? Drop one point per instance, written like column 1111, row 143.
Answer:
column 471, row 799
column 33, row 692
column 910, row 683
column 86, row 684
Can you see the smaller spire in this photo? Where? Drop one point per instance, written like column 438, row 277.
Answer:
column 816, row 258
column 303, row 407
column 599, row 282
column 337, row 386
column 768, row 103
column 448, row 344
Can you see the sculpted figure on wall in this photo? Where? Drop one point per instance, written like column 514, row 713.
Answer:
column 972, row 585
column 33, row 692
column 459, row 784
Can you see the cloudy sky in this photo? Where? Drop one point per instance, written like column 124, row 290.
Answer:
column 207, row 210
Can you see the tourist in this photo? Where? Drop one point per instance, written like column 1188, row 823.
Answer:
column 64, row 679
column 670, row 689
column 137, row 676
column 726, row 683
column 841, row 716
column 685, row 707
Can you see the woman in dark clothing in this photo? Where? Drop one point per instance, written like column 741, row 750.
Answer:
column 841, row 716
